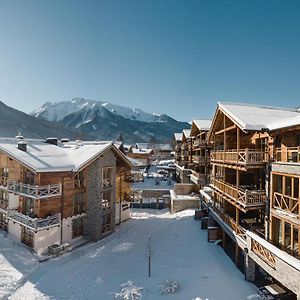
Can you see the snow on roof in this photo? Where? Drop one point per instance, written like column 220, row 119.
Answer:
column 202, row 124
column 44, row 157
column 178, row 136
column 141, row 151
column 161, row 147
column 186, row 132
column 256, row 117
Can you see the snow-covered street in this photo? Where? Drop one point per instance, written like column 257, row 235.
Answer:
column 180, row 251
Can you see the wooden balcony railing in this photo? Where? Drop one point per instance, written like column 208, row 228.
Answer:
column 30, row 191
column 245, row 197
column 199, row 143
column 34, row 223
column 266, row 255
column 198, row 159
column 286, row 203
column 198, row 178
column 241, row 157
column 238, row 229
column 287, row 154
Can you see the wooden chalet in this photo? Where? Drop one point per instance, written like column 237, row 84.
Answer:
column 255, row 188
column 54, row 192
column 177, row 140
column 200, row 152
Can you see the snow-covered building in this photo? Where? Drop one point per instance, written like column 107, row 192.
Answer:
column 54, row 192
column 255, row 188
column 144, row 155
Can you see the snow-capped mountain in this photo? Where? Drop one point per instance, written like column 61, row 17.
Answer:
column 13, row 122
column 103, row 120
column 57, row 111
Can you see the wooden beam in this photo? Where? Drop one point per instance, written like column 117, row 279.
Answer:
column 225, row 129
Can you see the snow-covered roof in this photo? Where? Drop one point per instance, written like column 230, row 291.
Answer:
column 178, row 136
column 186, row 133
column 141, row 151
column 161, row 147
column 44, row 157
column 202, row 124
column 256, row 117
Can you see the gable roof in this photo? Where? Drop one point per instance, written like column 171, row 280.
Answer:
column 178, row 136
column 257, row 117
column 200, row 125
column 186, row 133
column 64, row 157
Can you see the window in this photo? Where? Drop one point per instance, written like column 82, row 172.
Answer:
column 3, row 199
column 29, row 178
column 106, row 224
column 4, row 172
column 28, row 208
column 107, row 177
column 79, row 180
column 78, row 203
column 295, row 249
column 278, row 183
column 287, row 237
column 107, row 200
column 78, row 225
column 288, row 186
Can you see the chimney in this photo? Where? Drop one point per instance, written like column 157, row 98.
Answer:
column 22, row 145
column 52, row 140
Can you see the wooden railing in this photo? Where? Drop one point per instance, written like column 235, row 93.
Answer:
column 106, row 228
column 197, row 143
column 238, row 229
column 198, row 178
column 243, row 196
column 34, row 223
column 30, row 191
column 287, row 154
column 286, row 203
column 241, row 157
column 198, row 159
column 266, row 255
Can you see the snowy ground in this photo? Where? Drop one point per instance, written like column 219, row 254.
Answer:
column 180, row 252
column 150, row 183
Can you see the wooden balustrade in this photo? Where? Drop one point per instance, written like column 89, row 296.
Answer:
column 3, row 204
column 245, row 197
column 286, row 203
column 30, row 191
column 287, row 154
column 241, row 157
column 34, row 223
column 266, row 255
column 198, row 143
column 198, row 159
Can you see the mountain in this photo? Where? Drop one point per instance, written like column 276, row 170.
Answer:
column 106, row 121
column 13, row 122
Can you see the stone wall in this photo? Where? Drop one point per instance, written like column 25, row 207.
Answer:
column 185, row 188
column 94, row 211
column 179, row 205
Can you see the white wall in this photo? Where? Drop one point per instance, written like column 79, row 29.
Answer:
column 125, row 214
column 45, row 238
column 14, row 229
column 13, row 201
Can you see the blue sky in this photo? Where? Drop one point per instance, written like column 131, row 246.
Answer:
column 175, row 57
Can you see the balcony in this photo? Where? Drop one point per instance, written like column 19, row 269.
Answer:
column 35, row 224
column 286, row 203
column 244, row 157
column 197, row 159
column 245, row 197
column 30, row 191
column 198, row 178
column 288, row 154
column 199, row 143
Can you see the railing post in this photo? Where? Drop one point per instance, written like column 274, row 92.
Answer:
column 247, row 155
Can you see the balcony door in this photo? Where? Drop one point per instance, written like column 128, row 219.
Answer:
column 28, row 177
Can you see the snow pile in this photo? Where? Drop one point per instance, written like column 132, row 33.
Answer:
column 129, row 292
column 169, row 286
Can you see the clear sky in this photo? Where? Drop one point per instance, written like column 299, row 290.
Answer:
column 175, row 57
